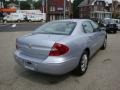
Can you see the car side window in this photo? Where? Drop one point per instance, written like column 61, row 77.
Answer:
column 94, row 24
column 87, row 27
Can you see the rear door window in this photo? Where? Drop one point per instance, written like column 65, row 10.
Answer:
column 87, row 27
column 95, row 25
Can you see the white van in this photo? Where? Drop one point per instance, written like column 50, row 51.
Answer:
column 36, row 17
column 14, row 17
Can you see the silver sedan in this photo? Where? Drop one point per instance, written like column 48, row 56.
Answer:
column 59, row 47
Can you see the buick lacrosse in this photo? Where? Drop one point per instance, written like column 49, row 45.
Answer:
column 61, row 46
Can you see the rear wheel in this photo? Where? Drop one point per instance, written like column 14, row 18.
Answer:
column 83, row 65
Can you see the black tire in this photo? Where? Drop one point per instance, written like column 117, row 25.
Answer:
column 18, row 21
column 5, row 21
column 29, row 20
column 115, row 32
column 41, row 20
column 103, row 47
column 81, row 69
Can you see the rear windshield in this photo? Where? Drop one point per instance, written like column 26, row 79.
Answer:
column 57, row 27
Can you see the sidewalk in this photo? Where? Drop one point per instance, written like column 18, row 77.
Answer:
column 1, row 23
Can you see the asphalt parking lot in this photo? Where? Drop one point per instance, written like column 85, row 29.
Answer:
column 103, row 72
column 23, row 26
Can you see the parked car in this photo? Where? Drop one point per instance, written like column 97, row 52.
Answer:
column 112, row 25
column 59, row 47
column 112, row 28
column 14, row 17
column 118, row 26
column 117, row 21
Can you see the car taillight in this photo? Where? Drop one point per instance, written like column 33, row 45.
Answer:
column 58, row 49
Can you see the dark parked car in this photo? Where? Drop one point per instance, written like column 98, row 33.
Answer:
column 111, row 28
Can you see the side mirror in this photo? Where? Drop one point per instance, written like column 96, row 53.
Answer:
column 102, row 28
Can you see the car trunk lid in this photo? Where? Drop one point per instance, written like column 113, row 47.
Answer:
column 38, row 45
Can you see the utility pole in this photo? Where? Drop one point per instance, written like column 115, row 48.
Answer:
column 112, row 8
column 46, row 10
column 43, row 6
column 1, row 4
column 19, row 3
column 64, row 9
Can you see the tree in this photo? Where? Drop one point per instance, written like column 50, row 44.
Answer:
column 31, row 3
column 76, row 8
column 37, row 4
column 24, row 5
column 8, row 2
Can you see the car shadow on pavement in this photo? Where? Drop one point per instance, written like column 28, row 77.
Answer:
column 39, row 77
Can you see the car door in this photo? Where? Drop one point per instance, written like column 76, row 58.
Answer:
column 100, row 33
column 92, row 36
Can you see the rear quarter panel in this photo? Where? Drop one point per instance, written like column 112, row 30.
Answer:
column 77, row 45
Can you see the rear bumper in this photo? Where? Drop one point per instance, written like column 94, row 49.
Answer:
column 46, row 66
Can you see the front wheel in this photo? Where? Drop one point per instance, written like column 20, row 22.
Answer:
column 104, row 44
column 83, row 64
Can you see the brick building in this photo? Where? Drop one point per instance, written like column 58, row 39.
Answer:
column 115, row 8
column 94, row 9
column 55, row 9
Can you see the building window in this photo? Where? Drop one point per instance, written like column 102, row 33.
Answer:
column 100, row 3
column 67, row 8
column 95, row 8
column 97, row 3
column 52, row 8
column 80, row 9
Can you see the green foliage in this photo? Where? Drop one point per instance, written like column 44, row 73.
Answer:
column 8, row 2
column 75, row 8
column 38, row 4
column 24, row 5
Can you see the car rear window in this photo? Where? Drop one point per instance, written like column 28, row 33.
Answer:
column 57, row 27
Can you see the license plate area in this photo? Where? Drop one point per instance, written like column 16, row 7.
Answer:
column 29, row 65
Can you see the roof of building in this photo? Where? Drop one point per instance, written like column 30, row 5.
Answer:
column 86, row 2
column 89, row 2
